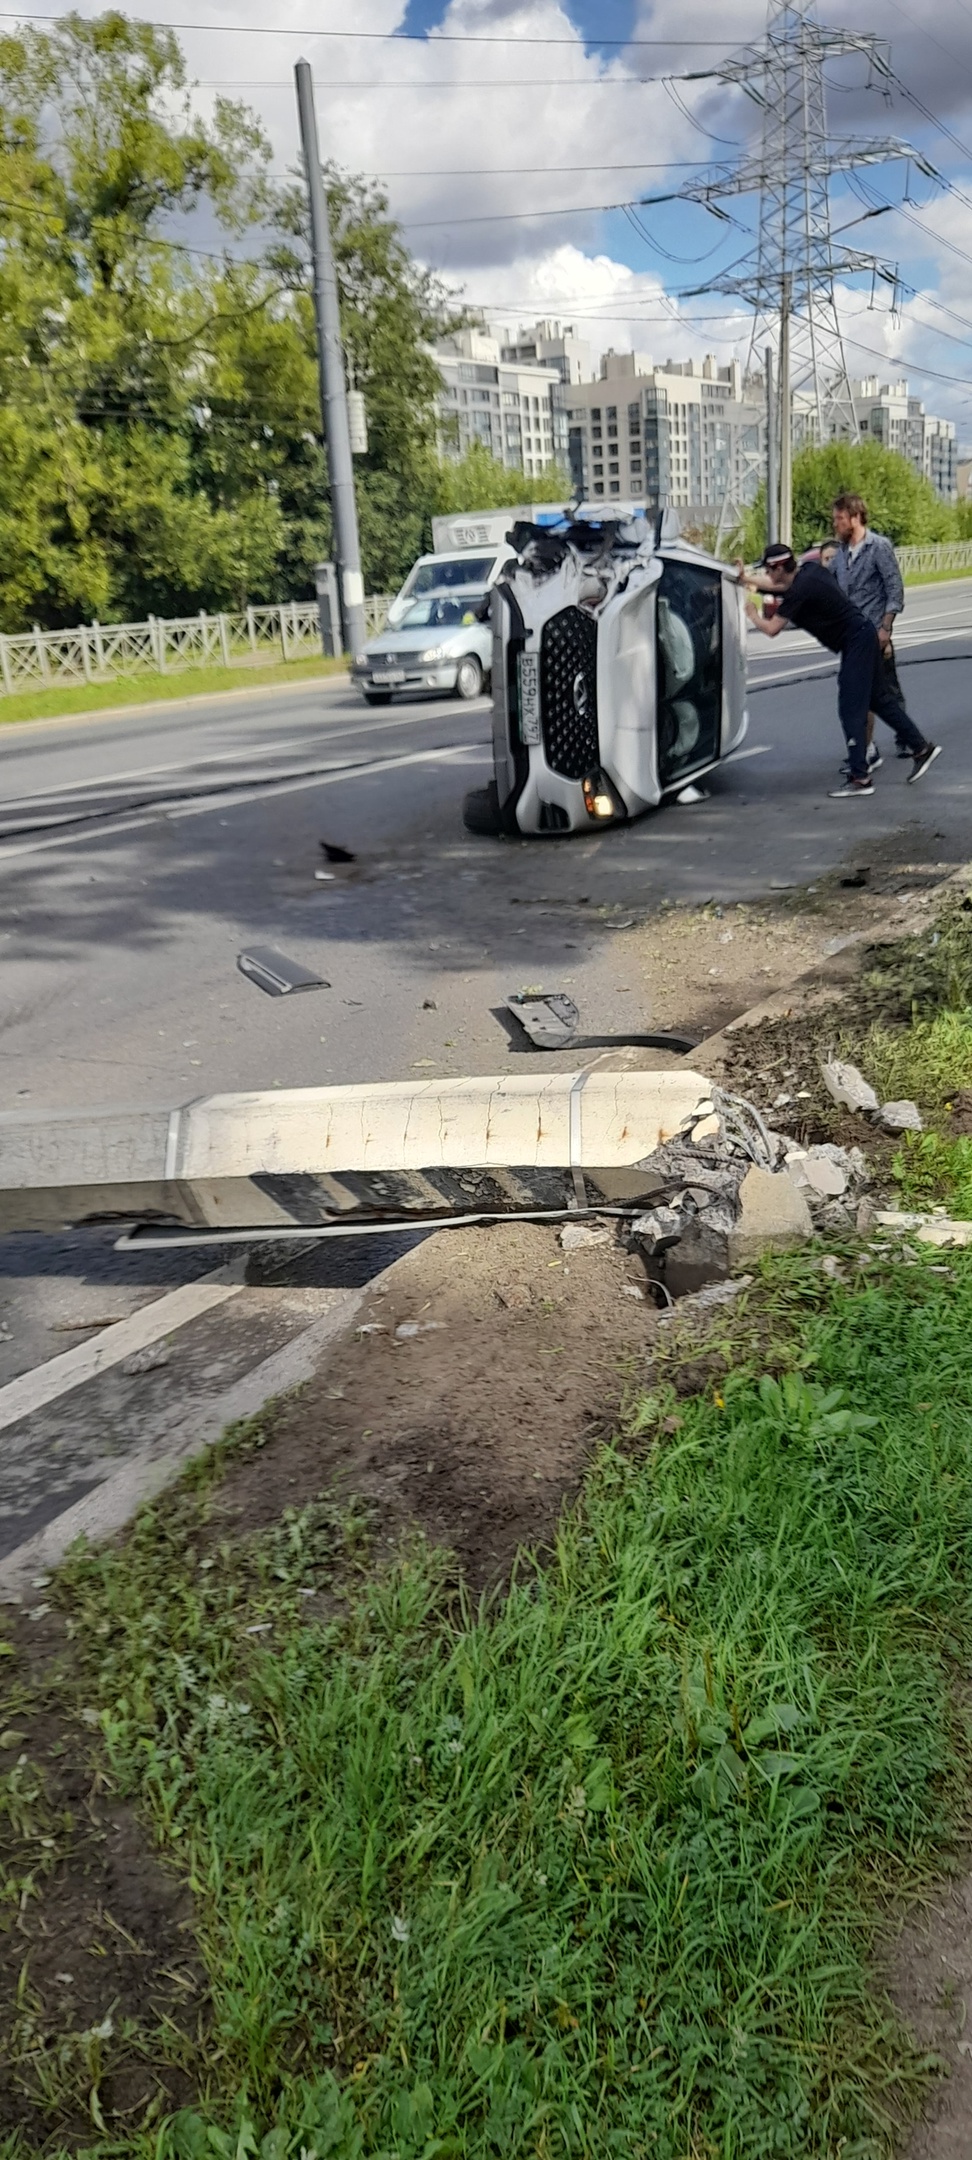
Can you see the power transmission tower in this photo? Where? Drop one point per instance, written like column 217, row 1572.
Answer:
column 795, row 260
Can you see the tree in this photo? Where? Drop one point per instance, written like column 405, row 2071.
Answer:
column 159, row 419
column 901, row 503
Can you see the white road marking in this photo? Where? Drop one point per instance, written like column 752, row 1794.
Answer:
column 21, row 1397
column 13, row 851
column 80, row 790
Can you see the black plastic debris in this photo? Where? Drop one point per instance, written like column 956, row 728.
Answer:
column 333, row 853
column 549, row 1018
column 856, row 879
column 274, row 973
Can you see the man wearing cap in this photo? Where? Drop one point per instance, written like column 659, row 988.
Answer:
column 811, row 599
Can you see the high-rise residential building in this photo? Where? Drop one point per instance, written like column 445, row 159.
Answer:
column 689, row 433
column 514, row 409
column 549, row 344
column 887, row 413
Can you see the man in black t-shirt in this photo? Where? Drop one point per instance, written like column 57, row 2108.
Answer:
column 811, row 599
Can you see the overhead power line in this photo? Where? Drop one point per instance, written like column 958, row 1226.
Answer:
column 394, row 37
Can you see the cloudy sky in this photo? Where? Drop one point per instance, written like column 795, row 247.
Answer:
column 510, row 134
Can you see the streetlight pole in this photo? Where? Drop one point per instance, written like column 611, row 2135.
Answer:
column 330, row 361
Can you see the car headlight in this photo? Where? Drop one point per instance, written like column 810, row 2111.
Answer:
column 360, row 659
column 600, row 800
column 435, row 652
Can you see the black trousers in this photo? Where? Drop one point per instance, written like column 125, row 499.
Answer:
column 862, row 687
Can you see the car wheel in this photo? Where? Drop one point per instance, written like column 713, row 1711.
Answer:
column 481, row 811
column 377, row 697
column 469, row 680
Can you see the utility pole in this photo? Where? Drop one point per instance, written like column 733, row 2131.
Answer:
column 786, row 412
column 772, row 479
column 330, row 362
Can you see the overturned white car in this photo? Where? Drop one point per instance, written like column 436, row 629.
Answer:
column 619, row 674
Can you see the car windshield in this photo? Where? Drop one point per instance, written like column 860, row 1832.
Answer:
column 446, row 576
column 441, row 613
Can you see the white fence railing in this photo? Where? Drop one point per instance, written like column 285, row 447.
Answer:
column 99, row 652
column 938, row 555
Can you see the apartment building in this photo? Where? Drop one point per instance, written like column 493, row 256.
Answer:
column 514, row 408
column 549, row 344
column 887, row 413
column 689, row 433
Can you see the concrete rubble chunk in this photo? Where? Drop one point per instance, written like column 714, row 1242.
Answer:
column 928, row 1229
column 576, row 1235
column 814, row 1169
column 848, row 1087
column 657, row 1230
column 717, row 1293
column 708, row 1128
column 900, row 1117
column 773, row 1215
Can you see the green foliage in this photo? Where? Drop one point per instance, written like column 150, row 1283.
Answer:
column 934, row 1171
column 901, row 503
column 924, row 1063
column 596, row 1870
column 159, row 418
column 478, row 481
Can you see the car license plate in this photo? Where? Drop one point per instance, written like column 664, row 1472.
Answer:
column 528, row 679
column 388, row 675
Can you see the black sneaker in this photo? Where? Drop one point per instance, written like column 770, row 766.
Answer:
column 853, row 787
column 924, row 758
column 874, row 758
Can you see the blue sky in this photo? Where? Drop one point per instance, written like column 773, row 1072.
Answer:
column 501, row 130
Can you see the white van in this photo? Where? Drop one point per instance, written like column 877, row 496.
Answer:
column 470, row 551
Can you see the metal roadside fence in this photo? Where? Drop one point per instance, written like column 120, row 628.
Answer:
column 100, row 652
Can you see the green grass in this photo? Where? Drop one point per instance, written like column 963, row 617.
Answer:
column 925, row 1063
column 154, row 689
column 598, row 1869
column 937, row 577
column 934, row 1171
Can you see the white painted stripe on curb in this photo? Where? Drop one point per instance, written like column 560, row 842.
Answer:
column 112, row 1504
column 20, row 1398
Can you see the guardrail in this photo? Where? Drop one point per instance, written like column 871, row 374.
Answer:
column 100, row 652
column 938, row 555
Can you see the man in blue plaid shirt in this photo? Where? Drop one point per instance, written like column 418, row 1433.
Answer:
column 866, row 569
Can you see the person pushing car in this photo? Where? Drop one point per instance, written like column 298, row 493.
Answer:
column 811, row 599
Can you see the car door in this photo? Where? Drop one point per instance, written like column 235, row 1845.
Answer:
column 688, row 636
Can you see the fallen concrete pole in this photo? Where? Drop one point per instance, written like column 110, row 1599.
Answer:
column 306, row 1157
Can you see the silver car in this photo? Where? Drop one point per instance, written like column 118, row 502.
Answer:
column 441, row 644
column 619, row 675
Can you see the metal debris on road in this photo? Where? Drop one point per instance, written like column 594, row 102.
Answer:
column 333, row 853
column 274, row 973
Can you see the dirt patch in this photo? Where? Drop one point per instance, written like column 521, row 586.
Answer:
column 96, row 1943
column 959, row 1114
column 699, row 967
column 931, row 1985
column 476, row 1425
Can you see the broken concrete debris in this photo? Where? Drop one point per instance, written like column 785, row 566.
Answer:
column 900, row 1117
column 575, row 1236
column 773, row 1215
column 928, row 1229
column 848, row 1087
column 851, row 1091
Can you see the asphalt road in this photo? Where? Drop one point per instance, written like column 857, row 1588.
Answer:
column 140, row 854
